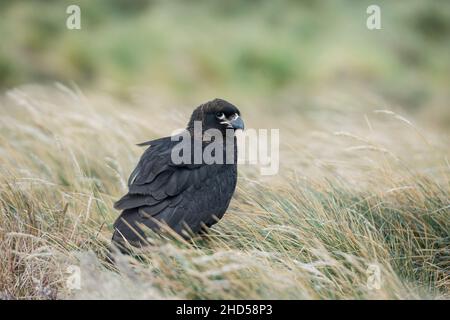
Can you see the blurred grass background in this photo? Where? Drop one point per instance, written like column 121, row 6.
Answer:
column 235, row 48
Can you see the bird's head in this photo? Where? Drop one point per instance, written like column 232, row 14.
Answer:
column 217, row 114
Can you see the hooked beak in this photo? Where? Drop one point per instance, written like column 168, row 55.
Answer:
column 235, row 123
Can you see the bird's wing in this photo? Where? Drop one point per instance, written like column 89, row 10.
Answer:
column 157, row 184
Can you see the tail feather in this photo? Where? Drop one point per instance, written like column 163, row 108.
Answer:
column 126, row 229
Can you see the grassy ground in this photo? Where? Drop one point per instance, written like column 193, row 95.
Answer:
column 358, row 189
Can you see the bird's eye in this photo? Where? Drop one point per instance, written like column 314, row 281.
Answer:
column 220, row 115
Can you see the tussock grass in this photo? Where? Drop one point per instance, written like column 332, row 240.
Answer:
column 356, row 190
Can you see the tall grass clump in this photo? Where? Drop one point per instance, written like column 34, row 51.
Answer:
column 359, row 192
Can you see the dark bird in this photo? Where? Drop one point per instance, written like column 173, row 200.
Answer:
column 186, row 196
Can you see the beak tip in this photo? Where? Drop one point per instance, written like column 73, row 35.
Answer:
column 237, row 124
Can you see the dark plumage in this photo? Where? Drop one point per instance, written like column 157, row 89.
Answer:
column 184, row 196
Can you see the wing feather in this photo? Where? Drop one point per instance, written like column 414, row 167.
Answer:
column 177, row 194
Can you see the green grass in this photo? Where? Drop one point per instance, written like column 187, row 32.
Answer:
column 238, row 47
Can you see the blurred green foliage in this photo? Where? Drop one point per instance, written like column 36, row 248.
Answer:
column 256, row 47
